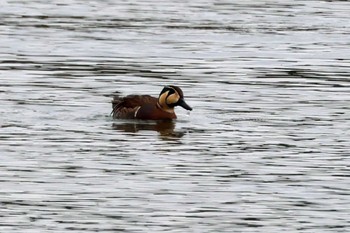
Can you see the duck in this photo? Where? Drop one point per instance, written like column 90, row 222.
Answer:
column 146, row 107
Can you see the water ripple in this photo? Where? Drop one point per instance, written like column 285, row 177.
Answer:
column 265, row 148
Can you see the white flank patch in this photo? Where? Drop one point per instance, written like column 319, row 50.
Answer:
column 137, row 110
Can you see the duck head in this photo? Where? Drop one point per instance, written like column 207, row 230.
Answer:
column 170, row 97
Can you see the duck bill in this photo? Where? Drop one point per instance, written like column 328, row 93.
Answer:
column 183, row 104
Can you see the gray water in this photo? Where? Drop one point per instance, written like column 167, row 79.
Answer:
column 266, row 148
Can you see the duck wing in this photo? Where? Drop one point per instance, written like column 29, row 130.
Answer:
column 125, row 107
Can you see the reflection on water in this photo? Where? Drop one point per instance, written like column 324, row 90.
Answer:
column 264, row 150
column 166, row 129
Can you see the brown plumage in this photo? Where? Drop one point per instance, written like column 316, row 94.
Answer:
column 146, row 107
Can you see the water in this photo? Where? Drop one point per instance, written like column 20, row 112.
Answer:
column 266, row 148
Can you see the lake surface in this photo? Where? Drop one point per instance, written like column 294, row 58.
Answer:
column 266, row 148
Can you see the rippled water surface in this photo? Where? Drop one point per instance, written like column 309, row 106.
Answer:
column 266, row 148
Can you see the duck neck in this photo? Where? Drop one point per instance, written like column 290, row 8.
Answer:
column 165, row 108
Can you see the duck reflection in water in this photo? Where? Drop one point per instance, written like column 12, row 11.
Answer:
column 165, row 128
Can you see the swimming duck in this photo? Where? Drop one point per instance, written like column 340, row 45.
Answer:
column 146, row 107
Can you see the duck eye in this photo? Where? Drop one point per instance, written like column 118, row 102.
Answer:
column 171, row 91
